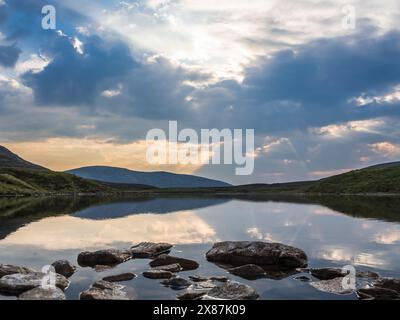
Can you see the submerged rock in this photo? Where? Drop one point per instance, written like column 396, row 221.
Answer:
column 165, row 259
column 176, row 267
column 388, row 283
column 303, row 278
column 232, row 291
column 103, row 290
column 64, row 267
column 331, row 286
column 376, row 293
column 120, row 277
column 7, row 269
column 328, row 273
column 158, row 274
column 257, row 252
column 176, row 283
column 249, row 271
column 198, row 278
column 103, row 257
column 18, row 283
column 367, row 275
column 40, row 293
column 150, row 249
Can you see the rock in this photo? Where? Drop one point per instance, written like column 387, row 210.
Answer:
column 150, row 249
column 331, row 286
column 197, row 290
column 120, row 277
column 303, row 278
column 249, row 271
column 257, row 252
column 64, row 267
column 375, row 293
column 165, row 259
column 232, row 291
column 103, row 257
column 103, row 290
column 176, row 283
column 19, row 282
column 158, row 274
column 367, row 275
column 7, row 269
column 197, row 278
column 190, row 295
column 40, row 293
column 388, row 283
column 328, row 273
column 101, row 267
column 176, row 267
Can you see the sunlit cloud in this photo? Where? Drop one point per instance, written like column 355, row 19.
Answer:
column 69, row 153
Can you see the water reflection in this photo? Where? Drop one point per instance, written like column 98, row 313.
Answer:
column 332, row 231
column 69, row 232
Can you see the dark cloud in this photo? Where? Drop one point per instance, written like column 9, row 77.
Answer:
column 73, row 78
column 9, row 55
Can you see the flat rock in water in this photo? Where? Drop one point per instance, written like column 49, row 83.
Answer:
column 149, row 249
column 64, row 267
column 120, row 277
column 18, row 283
column 158, row 274
column 232, row 291
column 176, row 267
column 165, row 259
column 197, row 290
column 375, row 293
column 103, row 257
column 331, row 286
column 7, row 269
column 40, row 293
column 257, row 252
column 249, row 271
column 198, row 278
column 103, row 290
column 328, row 273
column 367, row 275
column 388, row 283
column 176, row 283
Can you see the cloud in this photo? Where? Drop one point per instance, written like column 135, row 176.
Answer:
column 9, row 55
column 72, row 78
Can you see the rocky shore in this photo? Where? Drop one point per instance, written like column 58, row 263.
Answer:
column 248, row 260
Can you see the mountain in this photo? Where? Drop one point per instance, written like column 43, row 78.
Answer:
column 18, row 176
column 11, row 160
column 156, row 179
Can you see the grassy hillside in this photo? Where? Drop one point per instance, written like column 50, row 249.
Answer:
column 31, row 181
column 376, row 179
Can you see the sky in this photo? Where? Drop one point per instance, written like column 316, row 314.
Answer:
column 318, row 81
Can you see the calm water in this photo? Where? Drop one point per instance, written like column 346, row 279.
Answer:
column 332, row 231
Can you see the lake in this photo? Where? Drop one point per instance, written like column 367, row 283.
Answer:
column 333, row 231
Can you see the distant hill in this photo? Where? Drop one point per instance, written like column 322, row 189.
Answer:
column 18, row 176
column 11, row 160
column 156, row 179
column 382, row 178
